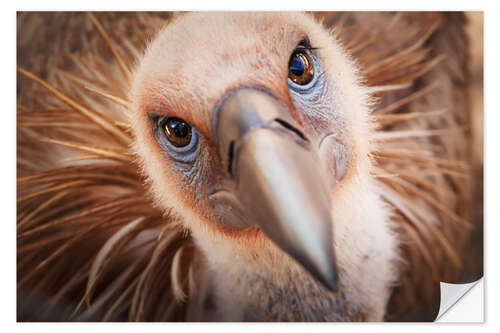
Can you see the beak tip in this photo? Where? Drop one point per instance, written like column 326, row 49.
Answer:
column 322, row 266
column 333, row 283
column 329, row 279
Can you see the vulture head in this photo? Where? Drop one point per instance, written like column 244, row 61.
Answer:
column 253, row 130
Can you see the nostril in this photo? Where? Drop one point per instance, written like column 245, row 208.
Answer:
column 290, row 128
column 230, row 158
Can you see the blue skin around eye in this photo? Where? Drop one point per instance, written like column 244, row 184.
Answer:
column 316, row 99
column 308, row 88
column 187, row 161
column 185, row 156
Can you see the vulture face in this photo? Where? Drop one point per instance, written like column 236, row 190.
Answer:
column 255, row 133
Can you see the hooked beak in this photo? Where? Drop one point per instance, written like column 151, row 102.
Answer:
column 278, row 178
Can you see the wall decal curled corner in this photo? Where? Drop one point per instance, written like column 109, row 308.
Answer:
column 451, row 298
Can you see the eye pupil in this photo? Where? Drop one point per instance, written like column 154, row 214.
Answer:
column 297, row 64
column 178, row 132
column 300, row 68
column 180, row 129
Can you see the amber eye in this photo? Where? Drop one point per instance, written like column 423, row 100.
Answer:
column 178, row 132
column 300, row 68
